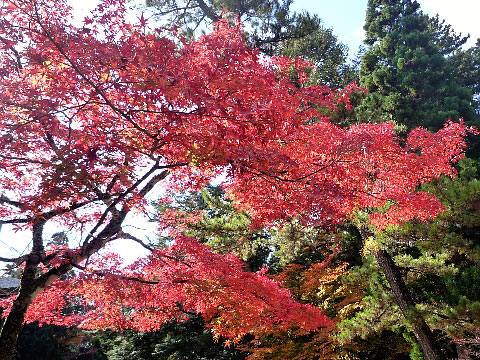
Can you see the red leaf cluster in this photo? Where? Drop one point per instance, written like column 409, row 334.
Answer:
column 324, row 173
column 84, row 111
column 168, row 285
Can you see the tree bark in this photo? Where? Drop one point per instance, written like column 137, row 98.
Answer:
column 210, row 13
column 12, row 325
column 406, row 304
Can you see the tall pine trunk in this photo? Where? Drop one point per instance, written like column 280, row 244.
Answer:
column 405, row 302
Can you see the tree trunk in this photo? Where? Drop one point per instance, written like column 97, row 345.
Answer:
column 462, row 351
column 13, row 324
column 10, row 331
column 405, row 303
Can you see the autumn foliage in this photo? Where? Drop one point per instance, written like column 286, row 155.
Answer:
column 170, row 284
column 92, row 117
column 84, row 107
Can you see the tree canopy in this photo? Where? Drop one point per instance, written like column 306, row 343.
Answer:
column 93, row 117
column 406, row 68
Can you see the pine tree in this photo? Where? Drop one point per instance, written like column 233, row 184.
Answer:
column 440, row 261
column 270, row 26
column 406, row 68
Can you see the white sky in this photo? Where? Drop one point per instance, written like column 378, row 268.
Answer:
column 463, row 15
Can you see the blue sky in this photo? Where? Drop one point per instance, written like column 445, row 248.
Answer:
column 346, row 17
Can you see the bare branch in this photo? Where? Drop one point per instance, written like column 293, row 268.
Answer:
column 111, row 207
column 16, row 54
column 17, row 260
column 261, row 172
column 124, row 235
column 15, row 221
column 112, row 183
column 153, row 181
column 207, row 11
column 169, row 11
column 22, row 159
column 5, row 200
column 131, row 278
column 75, row 206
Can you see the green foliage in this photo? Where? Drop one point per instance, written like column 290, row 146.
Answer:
column 440, row 261
column 377, row 310
column 220, row 225
column 386, row 345
column 329, row 56
column 227, row 230
column 416, row 353
column 466, row 284
column 224, row 228
column 51, row 342
column 175, row 341
column 407, row 69
column 468, row 65
column 269, row 22
column 42, row 343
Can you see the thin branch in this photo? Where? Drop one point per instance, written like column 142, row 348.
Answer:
column 112, row 183
column 50, row 214
column 208, row 11
column 8, row 157
column 131, row 278
column 118, row 199
column 261, row 172
column 6, row 200
column 199, row 22
column 125, row 235
column 18, row 58
column 16, row 221
column 17, row 260
column 166, row 12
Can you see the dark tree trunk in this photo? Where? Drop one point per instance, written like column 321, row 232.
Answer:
column 10, row 331
column 13, row 324
column 406, row 304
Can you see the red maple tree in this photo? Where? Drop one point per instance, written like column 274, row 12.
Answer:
column 93, row 117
